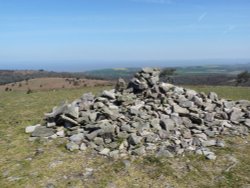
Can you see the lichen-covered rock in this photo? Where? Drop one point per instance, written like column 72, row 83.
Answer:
column 42, row 131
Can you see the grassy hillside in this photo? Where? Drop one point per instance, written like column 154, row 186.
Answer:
column 232, row 69
column 195, row 75
column 25, row 163
column 185, row 75
column 228, row 92
column 50, row 83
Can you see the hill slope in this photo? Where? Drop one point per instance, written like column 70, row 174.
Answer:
column 43, row 84
column 44, row 163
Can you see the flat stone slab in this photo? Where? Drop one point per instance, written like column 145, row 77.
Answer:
column 42, row 131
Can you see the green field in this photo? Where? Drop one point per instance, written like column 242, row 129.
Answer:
column 227, row 92
column 25, row 163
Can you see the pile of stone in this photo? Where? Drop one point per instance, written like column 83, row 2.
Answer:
column 146, row 116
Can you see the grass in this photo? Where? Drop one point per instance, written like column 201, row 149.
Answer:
column 228, row 92
column 22, row 166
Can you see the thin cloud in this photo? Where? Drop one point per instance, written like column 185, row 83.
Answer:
column 155, row 1
column 202, row 16
column 229, row 29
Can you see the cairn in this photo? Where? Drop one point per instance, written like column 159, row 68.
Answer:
column 146, row 116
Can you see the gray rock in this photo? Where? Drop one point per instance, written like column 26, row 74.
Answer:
column 120, row 85
column 247, row 123
column 134, row 110
column 138, row 85
column 164, row 153
column 54, row 136
column 166, row 87
column 56, row 111
column 114, row 154
column 209, row 133
column 51, row 124
column 133, row 139
column 226, row 124
column 197, row 101
column 113, row 107
column 155, row 123
column 202, row 136
column 97, row 148
column 243, row 103
column 167, row 124
column 221, row 115
column 93, row 134
column 148, row 70
column 72, row 111
column 152, row 138
column 209, row 117
column 209, row 143
column 83, row 147
column 30, row 129
column 77, row 138
column 180, row 110
column 42, row 131
column 50, row 185
column 105, row 151
column 209, row 107
column 69, row 120
column 150, row 146
column 83, row 117
column 236, row 114
column 139, row 151
column 229, row 104
column 186, row 104
column 123, row 135
column 195, row 119
column 107, row 129
column 108, row 94
column 98, row 105
column 126, row 98
column 98, row 141
column 190, row 94
column 187, row 134
column 164, row 134
column 213, row 96
column 144, row 75
column 220, row 143
column 126, row 128
column 211, row 156
column 92, row 116
column 178, row 90
column 71, row 146
column 153, row 80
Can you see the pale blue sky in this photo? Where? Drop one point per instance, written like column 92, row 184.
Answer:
column 42, row 31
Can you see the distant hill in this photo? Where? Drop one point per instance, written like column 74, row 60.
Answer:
column 50, row 83
column 213, row 69
column 113, row 73
column 12, row 76
column 186, row 75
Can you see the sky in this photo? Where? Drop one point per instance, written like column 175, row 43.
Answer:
column 99, row 33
